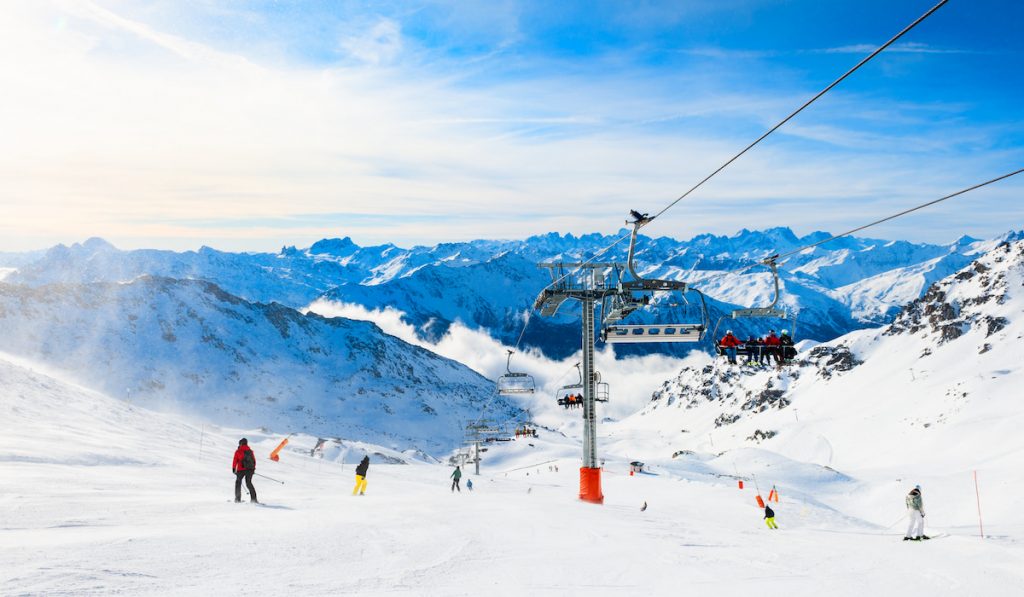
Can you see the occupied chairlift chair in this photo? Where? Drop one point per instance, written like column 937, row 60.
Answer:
column 769, row 312
column 514, row 383
column 601, row 389
column 617, row 306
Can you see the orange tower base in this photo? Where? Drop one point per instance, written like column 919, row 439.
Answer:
column 590, row 485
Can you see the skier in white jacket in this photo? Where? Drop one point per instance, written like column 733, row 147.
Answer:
column 915, row 510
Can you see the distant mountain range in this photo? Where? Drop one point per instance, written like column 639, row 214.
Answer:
column 489, row 285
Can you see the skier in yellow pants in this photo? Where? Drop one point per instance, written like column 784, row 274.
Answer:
column 361, row 469
column 769, row 517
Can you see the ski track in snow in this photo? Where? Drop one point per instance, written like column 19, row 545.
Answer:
column 101, row 497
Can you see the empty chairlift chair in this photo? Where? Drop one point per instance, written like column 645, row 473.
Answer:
column 638, row 292
column 513, row 383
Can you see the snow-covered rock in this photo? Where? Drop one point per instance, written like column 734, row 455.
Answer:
column 938, row 386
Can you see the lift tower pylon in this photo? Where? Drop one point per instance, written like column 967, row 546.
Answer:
column 590, row 284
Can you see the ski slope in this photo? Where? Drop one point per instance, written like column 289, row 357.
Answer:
column 102, row 497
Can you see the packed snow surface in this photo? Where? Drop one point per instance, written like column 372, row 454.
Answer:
column 103, row 497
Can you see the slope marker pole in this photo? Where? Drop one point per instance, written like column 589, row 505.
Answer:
column 977, row 495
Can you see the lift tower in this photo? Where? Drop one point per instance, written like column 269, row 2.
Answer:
column 590, row 284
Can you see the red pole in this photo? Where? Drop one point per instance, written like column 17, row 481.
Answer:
column 977, row 495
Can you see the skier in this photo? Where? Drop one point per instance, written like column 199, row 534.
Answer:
column 786, row 347
column 915, row 510
column 244, row 465
column 456, row 475
column 729, row 344
column 753, row 349
column 469, row 484
column 773, row 348
column 361, row 469
column 769, row 517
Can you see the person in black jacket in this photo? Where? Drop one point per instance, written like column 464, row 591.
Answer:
column 361, row 469
column 769, row 517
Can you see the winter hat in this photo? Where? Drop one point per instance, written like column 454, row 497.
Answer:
column 917, row 487
column 243, row 442
column 728, row 331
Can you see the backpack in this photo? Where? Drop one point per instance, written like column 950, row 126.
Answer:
column 248, row 461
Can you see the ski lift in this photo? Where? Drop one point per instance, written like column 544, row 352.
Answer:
column 638, row 293
column 513, row 383
column 768, row 312
column 572, row 394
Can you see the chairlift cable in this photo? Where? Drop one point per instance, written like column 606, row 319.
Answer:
column 902, row 213
column 863, row 61
column 849, row 72
column 790, row 253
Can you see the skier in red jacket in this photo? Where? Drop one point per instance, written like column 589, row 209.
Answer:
column 729, row 344
column 244, row 465
column 774, row 348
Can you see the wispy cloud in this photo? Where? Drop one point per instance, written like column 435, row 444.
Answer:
column 120, row 124
column 898, row 48
column 378, row 45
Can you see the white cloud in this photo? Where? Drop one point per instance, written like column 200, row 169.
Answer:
column 381, row 44
column 116, row 128
column 631, row 380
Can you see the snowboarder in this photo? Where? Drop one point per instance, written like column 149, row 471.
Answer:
column 915, row 510
column 729, row 344
column 469, row 484
column 361, row 469
column 244, row 465
column 456, row 475
column 769, row 517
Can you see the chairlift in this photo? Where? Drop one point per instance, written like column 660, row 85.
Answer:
column 768, row 312
column 572, row 394
column 513, row 383
column 637, row 293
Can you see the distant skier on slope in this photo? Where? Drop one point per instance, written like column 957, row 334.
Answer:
column 361, row 468
column 456, row 475
column 244, row 465
column 469, row 484
column 769, row 517
column 915, row 510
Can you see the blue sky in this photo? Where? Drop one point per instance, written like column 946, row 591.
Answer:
column 237, row 124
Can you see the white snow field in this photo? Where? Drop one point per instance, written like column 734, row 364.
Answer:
column 100, row 497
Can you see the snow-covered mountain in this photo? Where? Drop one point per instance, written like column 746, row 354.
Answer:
column 489, row 285
column 939, row 386
column 189, row 345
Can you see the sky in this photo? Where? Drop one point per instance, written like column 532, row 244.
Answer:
column 250, row 125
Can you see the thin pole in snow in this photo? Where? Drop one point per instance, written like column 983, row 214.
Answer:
column 202, row 432
column 711, row 440
column 977, row 495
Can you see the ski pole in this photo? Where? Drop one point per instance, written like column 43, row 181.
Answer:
column 269, row 479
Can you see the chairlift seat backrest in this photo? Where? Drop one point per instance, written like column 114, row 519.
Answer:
column 626, row 334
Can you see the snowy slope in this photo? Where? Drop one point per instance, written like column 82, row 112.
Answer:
column 103, row 497
column 934, row 395
column 174, row 344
